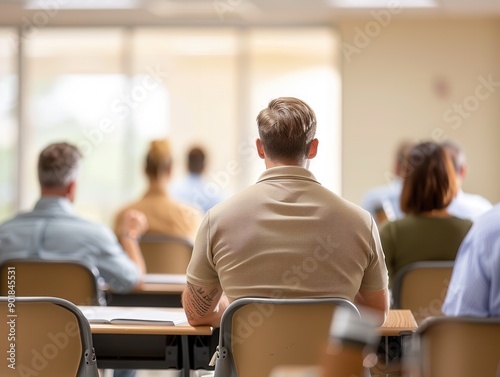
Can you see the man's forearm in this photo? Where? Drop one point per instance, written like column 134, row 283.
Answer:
column 377, row 300
column 131, row 247
column 204, row 305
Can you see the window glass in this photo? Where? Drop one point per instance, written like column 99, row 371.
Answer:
column 8, row 119
column 302, row 63
column 76, row 85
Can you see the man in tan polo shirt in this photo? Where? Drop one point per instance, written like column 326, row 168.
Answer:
column 286, row 236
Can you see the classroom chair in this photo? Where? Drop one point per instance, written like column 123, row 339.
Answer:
column 45, row 337
column 259, row 334
column 421, row 287
column 165, row 254
column 75, row 281
column 456, row 347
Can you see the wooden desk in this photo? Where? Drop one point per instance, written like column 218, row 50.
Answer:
column 396, row 334
column 144, row 346
column 158, row 290
column 397, row 322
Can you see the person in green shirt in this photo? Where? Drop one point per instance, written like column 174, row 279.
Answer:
column 428, row 231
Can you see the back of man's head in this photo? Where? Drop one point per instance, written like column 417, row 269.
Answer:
column 286, row 128
column 456, row 153
column 58, row 165
column 196, row 160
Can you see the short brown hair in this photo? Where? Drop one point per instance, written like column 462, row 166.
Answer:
column 286, row 128
column 196, row 160
column 58, row 165
column 432, row 182
column 159, row 158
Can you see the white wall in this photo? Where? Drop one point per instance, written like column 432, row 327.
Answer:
column 390, row 93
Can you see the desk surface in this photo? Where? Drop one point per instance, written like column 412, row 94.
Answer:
column 159, row 288
column 162, row 283
column 398, row 321
column 146, row 328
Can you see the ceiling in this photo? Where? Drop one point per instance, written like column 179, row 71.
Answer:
column 225, row 12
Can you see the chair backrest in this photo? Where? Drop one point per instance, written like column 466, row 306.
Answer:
column 421, row 287
column 45, row 337
column 70, row 280
column 259, row 334
column 164, row 254
column 457, row 347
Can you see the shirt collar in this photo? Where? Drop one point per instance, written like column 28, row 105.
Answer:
column 54, row 203
column 287, row 172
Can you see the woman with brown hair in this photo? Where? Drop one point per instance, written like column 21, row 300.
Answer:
column 165, row 215
column 428, row 231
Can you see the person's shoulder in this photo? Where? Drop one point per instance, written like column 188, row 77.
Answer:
column 487, row 223
column 12, row 221
column 374, row 197
column 387, row 189
column 187, row 208
column 475, row 199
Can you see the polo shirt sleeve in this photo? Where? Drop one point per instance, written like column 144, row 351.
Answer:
column 201, row 269
column 387, row 238
column 376, row 276
column 113, row 263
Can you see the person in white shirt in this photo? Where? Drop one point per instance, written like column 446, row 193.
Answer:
column 465, row 205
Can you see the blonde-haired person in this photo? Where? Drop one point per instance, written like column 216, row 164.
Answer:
column 428, row 231
column 164, row 215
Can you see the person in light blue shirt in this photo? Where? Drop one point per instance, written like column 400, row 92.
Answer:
column 474, row 288
column 383, row 202
column 194, row 189
column 53, row 231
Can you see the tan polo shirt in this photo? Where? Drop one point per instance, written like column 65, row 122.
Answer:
column 165, row 215
column 287, row 236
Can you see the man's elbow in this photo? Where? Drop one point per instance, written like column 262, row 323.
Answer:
column 377, row 303
column 197, row 321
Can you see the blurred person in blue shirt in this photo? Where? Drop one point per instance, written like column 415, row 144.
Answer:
column 474, row 288
column 194, row 189
column 53, row 231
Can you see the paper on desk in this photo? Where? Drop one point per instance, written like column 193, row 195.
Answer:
column 165, row 278
column 130, row 316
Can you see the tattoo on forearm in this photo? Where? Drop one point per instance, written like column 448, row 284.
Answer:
column 201, row 301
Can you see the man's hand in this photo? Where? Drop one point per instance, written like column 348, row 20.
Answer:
column 133, row 223
column 131, row 227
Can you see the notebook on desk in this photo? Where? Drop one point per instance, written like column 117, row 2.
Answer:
column 133, row 316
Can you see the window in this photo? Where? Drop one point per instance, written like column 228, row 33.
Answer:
column 8, row 122
column 112, row 90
